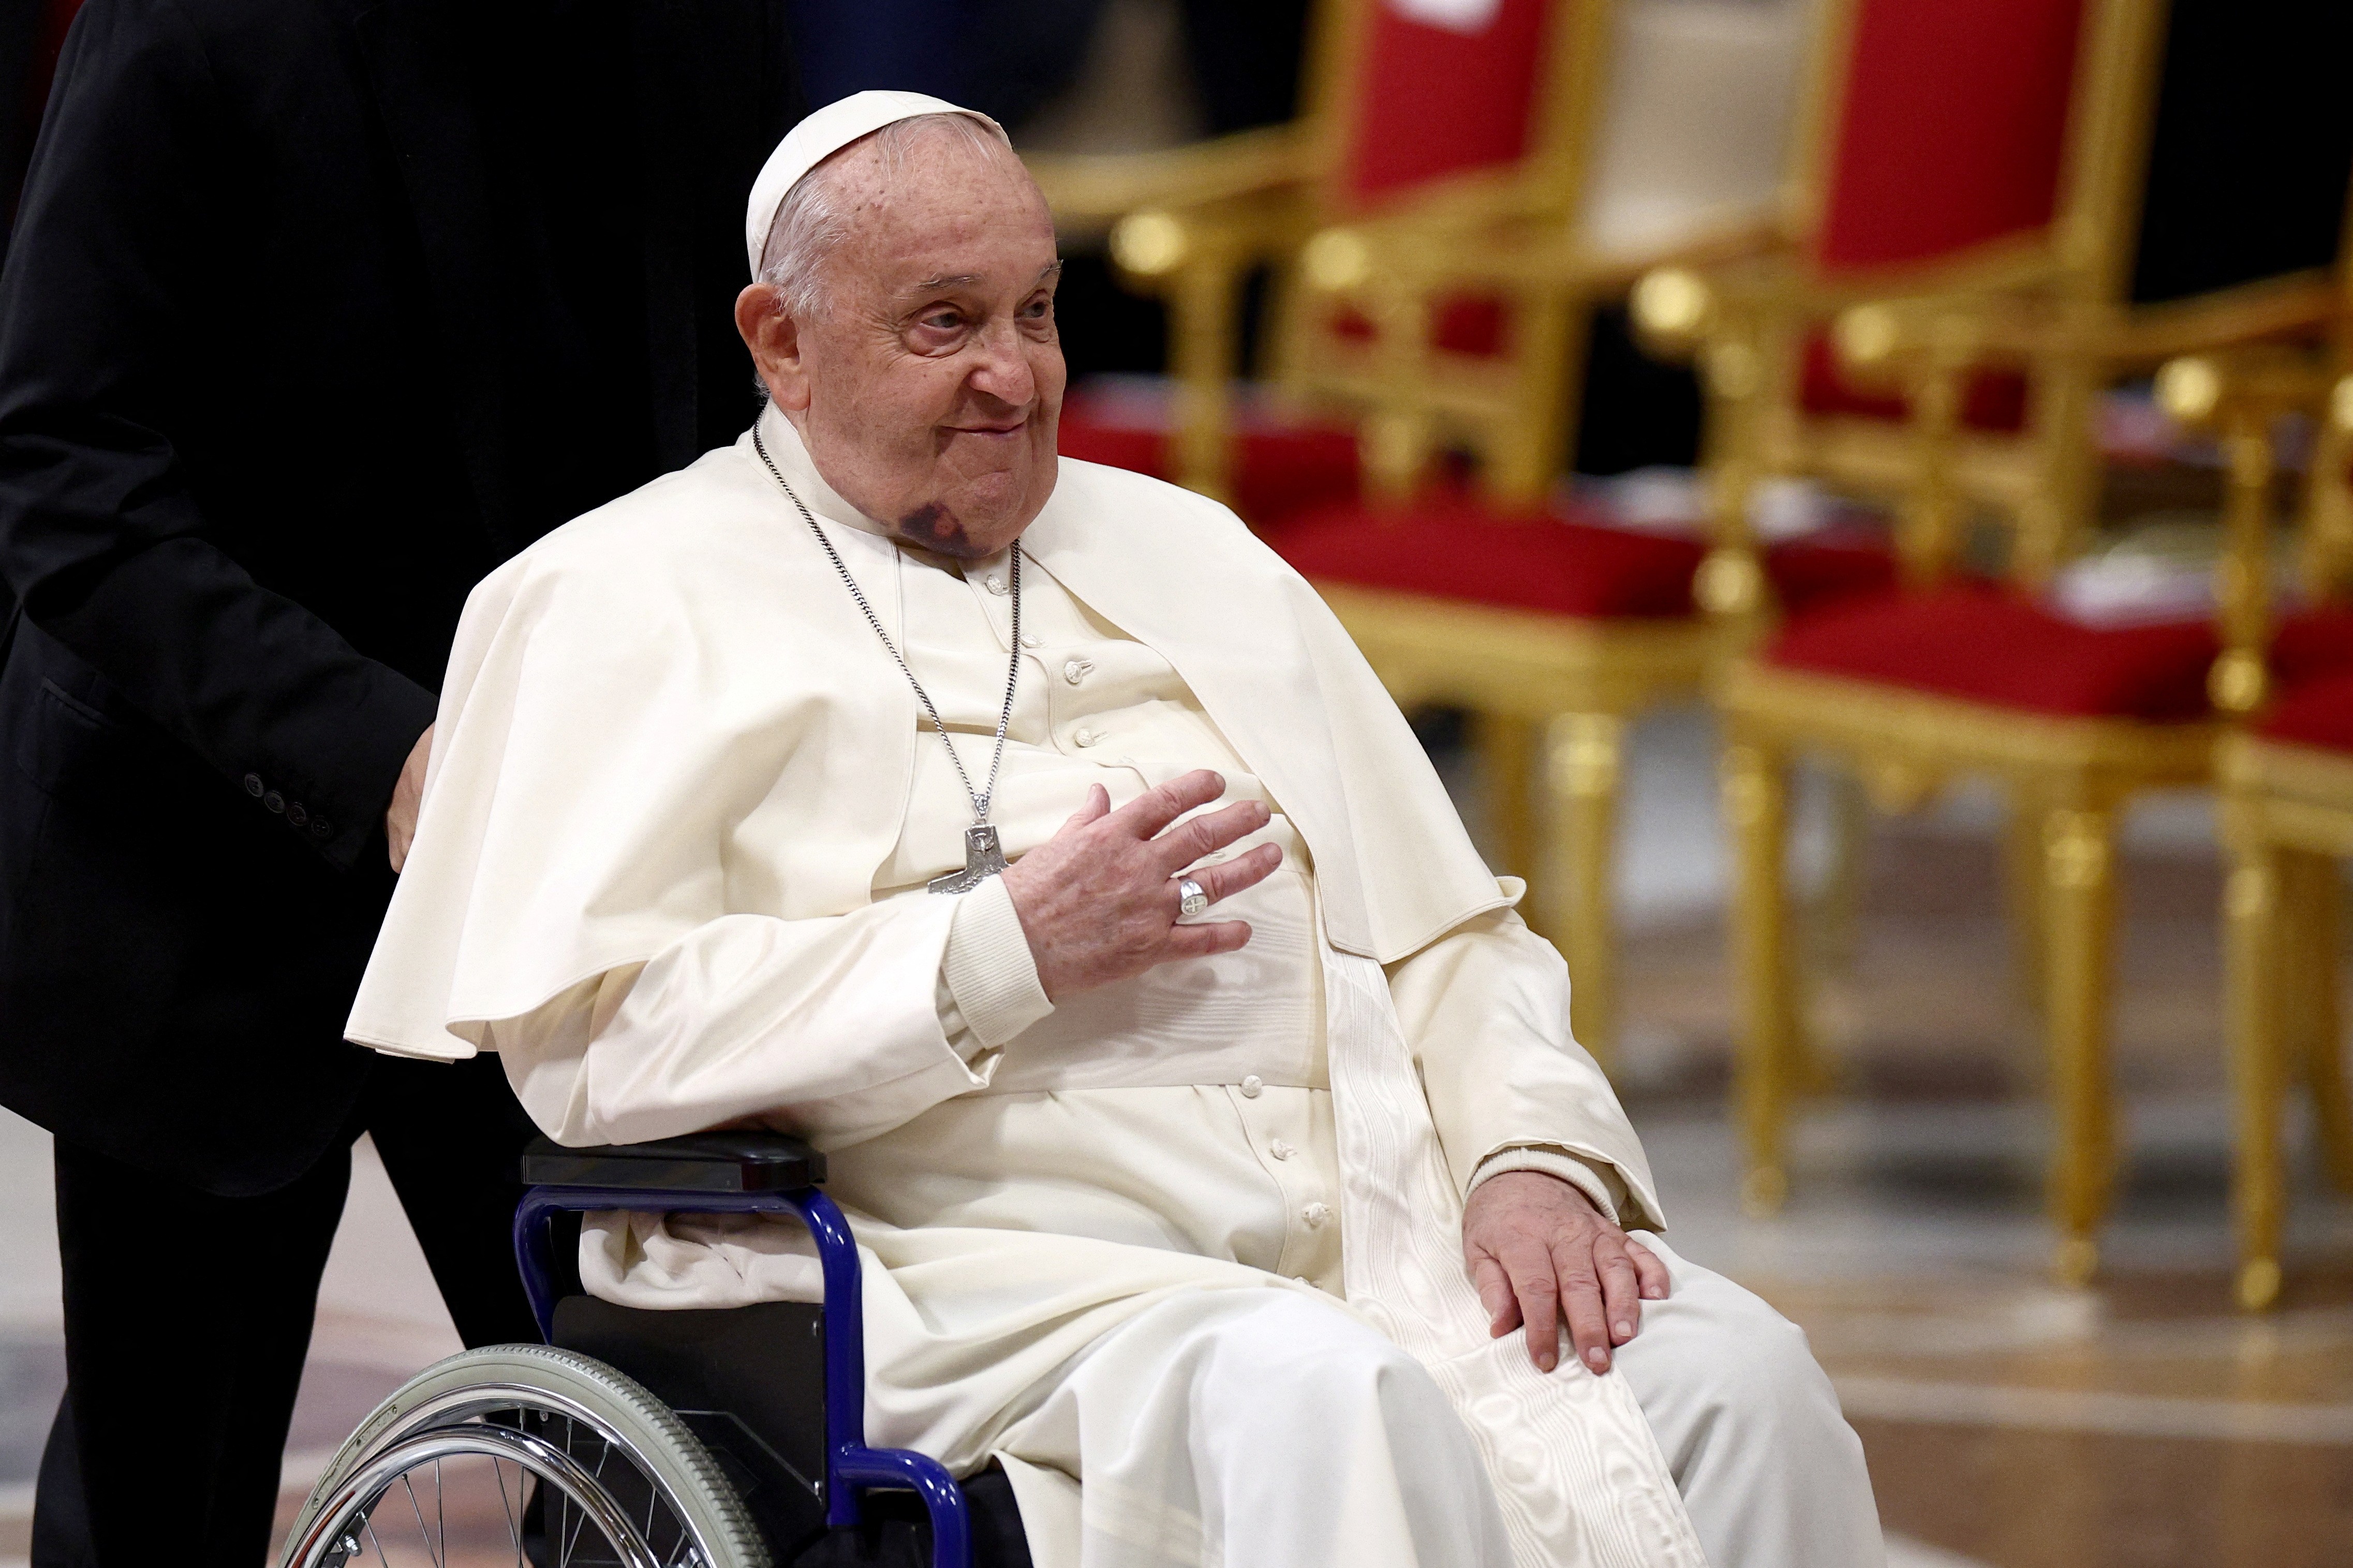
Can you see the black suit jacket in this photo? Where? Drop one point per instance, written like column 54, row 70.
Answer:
column 315, row 311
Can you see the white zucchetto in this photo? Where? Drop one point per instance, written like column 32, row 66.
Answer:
column 823, row 134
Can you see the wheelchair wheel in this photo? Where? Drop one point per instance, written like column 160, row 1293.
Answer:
column 441, row 1476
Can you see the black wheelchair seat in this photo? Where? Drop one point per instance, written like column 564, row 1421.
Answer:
column 763, row 1387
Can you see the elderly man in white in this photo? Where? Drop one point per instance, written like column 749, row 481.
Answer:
column 1029, row 838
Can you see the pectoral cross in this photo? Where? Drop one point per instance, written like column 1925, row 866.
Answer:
column 983, row 858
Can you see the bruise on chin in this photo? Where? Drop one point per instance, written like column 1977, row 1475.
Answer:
column 934, row 527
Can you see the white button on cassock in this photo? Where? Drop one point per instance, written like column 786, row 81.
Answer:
column 1086, row 737
column 1316, row 1215
column 997, row 585
column 1078, row 669
column 1280, row 1150
column 1251, row 1085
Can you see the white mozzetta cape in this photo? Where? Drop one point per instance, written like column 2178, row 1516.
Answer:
column 668, row 714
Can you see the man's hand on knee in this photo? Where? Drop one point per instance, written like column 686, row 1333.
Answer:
column 1541, row 1255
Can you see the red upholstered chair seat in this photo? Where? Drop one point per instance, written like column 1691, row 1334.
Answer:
column 2311, row 644
column 1982, row 643
column 2312, row 667
column 1451, row 548
column 2317, row 713
column 1809, row 572
column 1279, row 470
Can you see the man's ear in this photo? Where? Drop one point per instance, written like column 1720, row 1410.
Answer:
column 774, row 340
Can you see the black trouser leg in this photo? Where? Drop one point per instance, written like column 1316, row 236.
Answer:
column 61, row 1521
column 187, row 1320
column 452, row 1139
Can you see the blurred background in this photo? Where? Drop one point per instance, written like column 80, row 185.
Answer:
column 1855, row 496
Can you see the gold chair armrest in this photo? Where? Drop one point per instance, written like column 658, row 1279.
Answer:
column 2297, row 305
column 1465, row 248
column 2014, row 326
column 1677, row 309
column 2258, row 380
column 1094, row 190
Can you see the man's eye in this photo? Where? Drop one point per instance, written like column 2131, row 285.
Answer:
column 944, row 321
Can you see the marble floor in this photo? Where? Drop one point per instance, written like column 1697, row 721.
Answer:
column 2009, row 1423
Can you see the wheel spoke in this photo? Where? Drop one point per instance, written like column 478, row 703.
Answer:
column 571, row 1536
column 423, row 1533
column 514, row 1530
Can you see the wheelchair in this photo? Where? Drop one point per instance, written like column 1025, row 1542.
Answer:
column 728, row 1438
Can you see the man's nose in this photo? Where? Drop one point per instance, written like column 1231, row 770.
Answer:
column 1004, row 370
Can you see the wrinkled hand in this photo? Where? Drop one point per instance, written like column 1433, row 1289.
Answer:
column 1537, row 1249
column 1099, row 901
column 408, row 796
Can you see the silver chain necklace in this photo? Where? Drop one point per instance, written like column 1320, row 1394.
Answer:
column 982, row 856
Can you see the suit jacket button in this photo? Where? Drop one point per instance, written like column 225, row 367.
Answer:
column 321, row 828
column 253, row 786
column 296, row 814
column 274, row 801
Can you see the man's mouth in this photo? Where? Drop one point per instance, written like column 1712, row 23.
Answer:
column 1009, row 427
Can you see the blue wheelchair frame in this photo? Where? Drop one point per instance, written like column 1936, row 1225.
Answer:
column 851, row 1467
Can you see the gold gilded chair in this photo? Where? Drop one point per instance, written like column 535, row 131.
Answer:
column 1955, row 287
column 1996, row 301
column 1415, row 112
column 2285, row 770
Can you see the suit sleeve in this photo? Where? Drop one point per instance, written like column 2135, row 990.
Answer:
column 101, row 535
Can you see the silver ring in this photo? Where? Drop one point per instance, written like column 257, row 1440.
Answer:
column 1191, row 900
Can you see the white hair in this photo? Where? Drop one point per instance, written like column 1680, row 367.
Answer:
column 812, row 219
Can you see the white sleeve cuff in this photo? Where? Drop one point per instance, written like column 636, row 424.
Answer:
column 987, row 972
column 1598, row 1182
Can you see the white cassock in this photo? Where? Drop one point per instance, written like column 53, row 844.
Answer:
column 1193, row 1240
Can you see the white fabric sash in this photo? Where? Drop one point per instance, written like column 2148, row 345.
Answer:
column 1580, row 1479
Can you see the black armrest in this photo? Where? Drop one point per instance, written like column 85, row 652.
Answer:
column 705, row 1162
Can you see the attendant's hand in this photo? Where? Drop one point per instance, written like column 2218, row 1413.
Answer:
column 1099, row 901
column 1535, row 1246
column 408, row 796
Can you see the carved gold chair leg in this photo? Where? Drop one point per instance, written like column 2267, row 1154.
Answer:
column 2022, row 884
column 1831, row 932
column 2319, row 1020
column 1757, row 811
column 1583, row 754
column 1507, row 747
column 2079, row 906
column 1202, row 356
column 1834, row 923
column 2252, row 904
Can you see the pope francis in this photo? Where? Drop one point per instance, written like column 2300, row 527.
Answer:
column 1029, row 838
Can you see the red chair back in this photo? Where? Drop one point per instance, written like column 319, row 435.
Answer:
column 1949, row 130
column 1443, row 88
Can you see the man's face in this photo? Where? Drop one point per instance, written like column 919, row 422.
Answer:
column 930, row 384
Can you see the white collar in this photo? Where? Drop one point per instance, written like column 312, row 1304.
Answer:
column 791, row 456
